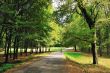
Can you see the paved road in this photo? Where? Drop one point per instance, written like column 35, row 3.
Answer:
column 54, row 63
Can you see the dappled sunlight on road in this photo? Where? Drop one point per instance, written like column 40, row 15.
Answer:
column 41, row 55
column 56, row 55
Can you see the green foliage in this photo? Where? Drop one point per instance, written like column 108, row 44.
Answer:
column 27, row 19
column 77, row 32
column 82, row 15
column 55, row 36
column 5, row 67
column 29, row 23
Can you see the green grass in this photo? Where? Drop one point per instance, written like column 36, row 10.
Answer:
column 5, row 67
column 78, row 57
column 74, row 55
column 82, row 58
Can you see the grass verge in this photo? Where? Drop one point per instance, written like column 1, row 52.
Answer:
column 5, row 67
column 85, row 61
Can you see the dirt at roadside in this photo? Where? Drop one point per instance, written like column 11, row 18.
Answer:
column 74, row 67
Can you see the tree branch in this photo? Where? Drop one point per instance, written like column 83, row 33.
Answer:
column 76, row 37
column 93, row 9
column 78, row 12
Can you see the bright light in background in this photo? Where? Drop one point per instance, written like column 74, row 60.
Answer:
column 57, row 55
column 57, row 3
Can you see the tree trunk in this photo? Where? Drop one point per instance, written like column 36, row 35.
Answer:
column 6, row 58
column 75, row 48
column 40, row 49
column 99, row 41
column 107, row 49
column 10, row 53
column 10, row 43
column 5, row 46
column 8, row 40
column 14, row 48
column 94, row 49
column 107, row 37
column 17, row 47
column 31, row 51
column 1, row 32
column 26, row 51
column 49, row 49
column 26, row 46
column 91, row 23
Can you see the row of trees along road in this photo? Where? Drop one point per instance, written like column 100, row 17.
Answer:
column 26, row 24
column 88, row 24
